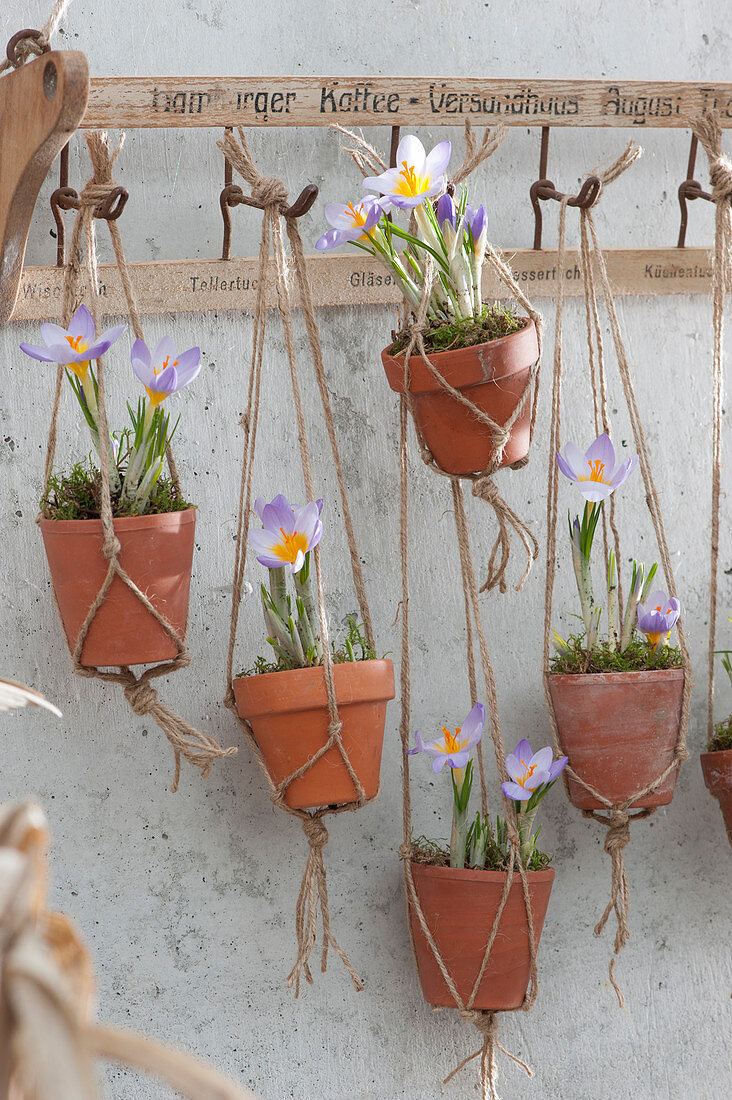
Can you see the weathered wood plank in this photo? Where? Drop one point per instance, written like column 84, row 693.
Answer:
column 173, row 101
column 206, row 285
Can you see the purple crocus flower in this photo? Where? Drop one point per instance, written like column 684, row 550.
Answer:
column 657, row 618
column 453, row 749
column 477, row 222
column 530, row 771
column 74, row 347
column 418, row 175
column 163, row 371
column 594, row 471
column 446, row 211
column 351, row 222
column 288, row 532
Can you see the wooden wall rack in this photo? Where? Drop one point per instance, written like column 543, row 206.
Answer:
column 200, row 285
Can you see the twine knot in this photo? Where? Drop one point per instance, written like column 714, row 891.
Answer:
column 618, row 832
column 485, row 1022
column 485, row 488
column 618, row 836
column 720, row 176
column 111, row 546
column 487, row 1025
column 141, row 697
column 96, row 192
column 270, row 191
column 316, row 832
column 417, row 328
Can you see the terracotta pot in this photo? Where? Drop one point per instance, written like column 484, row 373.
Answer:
column 717, row 769
column 460, row 906
column 493, row 376
column 157, row 553
column 619, row 730
column 288, row 713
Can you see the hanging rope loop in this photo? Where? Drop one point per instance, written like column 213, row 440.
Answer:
column 709, row 132
column 100, row 198
column 272, row 195
column 368, row 160
column 596, row 285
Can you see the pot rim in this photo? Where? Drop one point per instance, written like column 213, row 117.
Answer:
column 710, row 754
column 262, row 687
column 121, row 523
column 499, row 341
column 648, row 675
column 474, row 874
column 491, row 363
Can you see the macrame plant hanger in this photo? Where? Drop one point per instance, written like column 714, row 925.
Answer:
column 270, row 195
column 103, row 198
column 368, row 160
column 485, row 1021
column 49, row 1043
column 709, row 133
column 594, row 269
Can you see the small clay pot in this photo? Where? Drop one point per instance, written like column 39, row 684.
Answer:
column 157, row 554
column 493, row 376
column 717, row 769
column 619, row 730
column 288, row 713
column 460, row 906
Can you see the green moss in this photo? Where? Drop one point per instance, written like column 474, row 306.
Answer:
column 638, row 657
column 436, row 853
column 493, row 322
column 722, row 738
column 354, row 647
column 77, row 495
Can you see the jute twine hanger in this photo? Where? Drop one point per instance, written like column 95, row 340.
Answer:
column 367, row 159
column 270, row 195
column 48, row 1043
column 594, row 269
column 709, row 132
column 486, row 1022
column 81, row 282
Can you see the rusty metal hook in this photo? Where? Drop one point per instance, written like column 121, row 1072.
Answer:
column 543, row 190
column 689, row 190
column 66, row 198
column 33, row 37
column 232, row 195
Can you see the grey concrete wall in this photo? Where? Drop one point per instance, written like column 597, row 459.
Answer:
column 187, row 900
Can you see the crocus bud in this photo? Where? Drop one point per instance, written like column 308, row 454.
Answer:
column 446, row 211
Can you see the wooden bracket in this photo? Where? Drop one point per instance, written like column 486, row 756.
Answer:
column 41, row 105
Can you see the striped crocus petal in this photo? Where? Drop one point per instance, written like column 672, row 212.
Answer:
column 288, row 533
column 594, row 472
column 417, row 175
column 350, row 221
column 163, row 372
column 75, row 345
column 658, row 616
column 453, row 749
